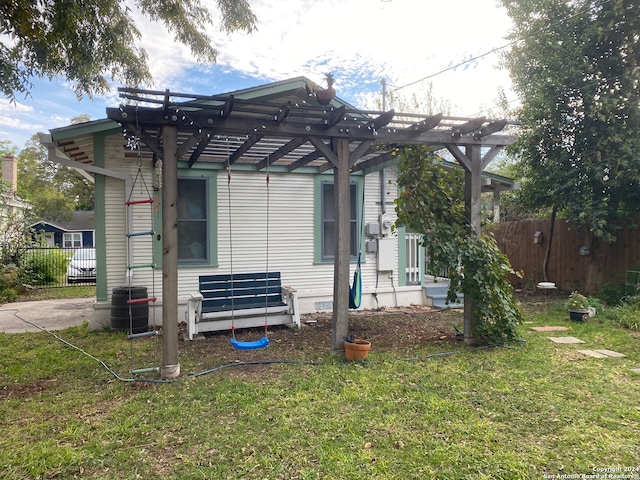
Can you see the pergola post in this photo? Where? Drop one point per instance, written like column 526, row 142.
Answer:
column 170, row 364
column 473, row 209
column 342, row 251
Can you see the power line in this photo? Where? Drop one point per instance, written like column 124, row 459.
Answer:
column 604, row 2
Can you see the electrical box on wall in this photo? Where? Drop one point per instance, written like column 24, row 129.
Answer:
column 371, row 246
column 385, row 224
column 386, row 254
column 372, row 229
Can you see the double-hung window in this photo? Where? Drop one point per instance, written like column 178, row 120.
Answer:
column 72, row 240
column 193, row 221
column 328, row 223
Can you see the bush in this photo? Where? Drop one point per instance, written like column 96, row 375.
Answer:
column 612, row 293
column 626, row 316
column 44, row 266
column 9, row 283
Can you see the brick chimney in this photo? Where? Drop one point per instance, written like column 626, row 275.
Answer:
column 10, row 171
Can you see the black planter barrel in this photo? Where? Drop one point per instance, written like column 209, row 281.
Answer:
column 123, row 314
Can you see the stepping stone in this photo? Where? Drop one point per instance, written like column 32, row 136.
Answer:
column 592, row 353
column 601, row 353
column 610, row 353
column 565, row 339
column 549, row 329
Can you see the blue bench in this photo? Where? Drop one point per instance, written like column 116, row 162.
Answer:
column 243, row 300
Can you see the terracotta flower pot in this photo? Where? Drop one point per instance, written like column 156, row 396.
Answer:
column 356, row 350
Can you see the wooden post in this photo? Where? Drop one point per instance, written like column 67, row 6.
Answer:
column 472, row 202
column 342, row 251
column 170, row 364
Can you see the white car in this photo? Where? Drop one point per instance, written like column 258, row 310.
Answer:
column 82, row 267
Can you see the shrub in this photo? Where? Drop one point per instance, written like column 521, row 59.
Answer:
column 44, row 266
column 626, row 316
column 9, row 283
column 612, row 293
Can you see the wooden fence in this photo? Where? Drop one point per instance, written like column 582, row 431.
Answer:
column 574, row 264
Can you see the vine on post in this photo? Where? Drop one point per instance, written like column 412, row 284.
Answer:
column 431, row 202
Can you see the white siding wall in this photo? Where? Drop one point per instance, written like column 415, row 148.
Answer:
column 290, row 233
column 117, row 192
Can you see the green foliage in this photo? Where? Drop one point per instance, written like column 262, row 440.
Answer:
column 626, row 315
column 612, row 293
column 44, row 266
column 431, row 203
column 54, row 191
column 95, row 41
column 576, row 69
column 577, row 302
column 9, row 283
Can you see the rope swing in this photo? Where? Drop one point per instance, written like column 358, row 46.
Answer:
column 264, row 341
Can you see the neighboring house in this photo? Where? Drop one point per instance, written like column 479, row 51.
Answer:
column 76, row 233
column 244, row 225
column 12, row 209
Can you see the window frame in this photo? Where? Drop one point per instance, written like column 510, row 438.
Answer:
column 356, row 183
column 73, row 236
column 210, row 178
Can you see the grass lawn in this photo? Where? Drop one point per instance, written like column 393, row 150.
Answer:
column 422, row 406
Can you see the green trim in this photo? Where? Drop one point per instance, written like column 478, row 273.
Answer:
column 100, row 218
column 318, row 181
column 103, row 127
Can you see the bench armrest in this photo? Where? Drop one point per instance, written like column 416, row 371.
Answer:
column 290, row 296
column 194, row 312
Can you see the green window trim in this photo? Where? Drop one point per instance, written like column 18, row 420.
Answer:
column 211, row 182
column 320, row 220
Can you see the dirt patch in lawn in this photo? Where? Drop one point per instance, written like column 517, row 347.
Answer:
column 400, row 330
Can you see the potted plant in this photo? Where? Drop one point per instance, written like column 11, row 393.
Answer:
column 578, row 306
column 355, row 348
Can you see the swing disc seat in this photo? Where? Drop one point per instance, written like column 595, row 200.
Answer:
column 263, row 342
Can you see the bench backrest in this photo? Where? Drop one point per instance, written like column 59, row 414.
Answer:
column 246, row 290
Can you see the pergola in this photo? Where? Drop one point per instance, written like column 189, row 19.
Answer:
column 294, row 133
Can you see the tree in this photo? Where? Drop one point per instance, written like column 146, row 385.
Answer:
column 576, row 68
column 53, row 190
column 92, row 41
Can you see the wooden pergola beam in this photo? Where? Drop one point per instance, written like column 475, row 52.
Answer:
column 281, row 152
column 427, row 124
column 244, row 148
column 307, row 159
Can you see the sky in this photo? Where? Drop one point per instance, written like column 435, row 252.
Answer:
column 416, row 46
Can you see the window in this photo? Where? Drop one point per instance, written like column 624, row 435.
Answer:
column 328, row 227
column 193, row 220
column 72, row 240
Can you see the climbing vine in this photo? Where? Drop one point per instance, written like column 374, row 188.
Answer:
column 431, row 202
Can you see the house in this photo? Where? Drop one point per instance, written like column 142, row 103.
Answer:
column 256, row 191
column 13, row 210
column 77, row 232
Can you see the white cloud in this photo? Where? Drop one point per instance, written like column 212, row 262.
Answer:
column 360, row 41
